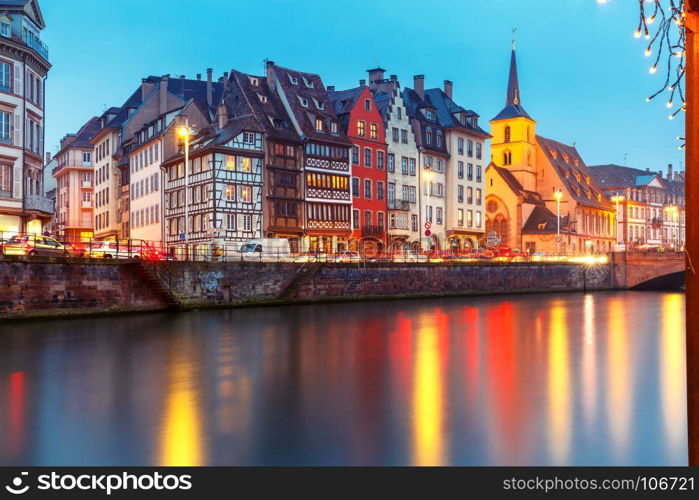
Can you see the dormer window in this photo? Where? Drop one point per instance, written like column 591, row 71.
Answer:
column 588, row 180
column 554, row 155
column 254, row 81
column 304, row 101
column 430, row 115
column 5, row 29
column 319, row 104
column 333, row 128
column 565, row 159
column 263, row 98
column 319, row 125
column 308, row 83
column 293, row 79
column 463, row 119
column 575, row 162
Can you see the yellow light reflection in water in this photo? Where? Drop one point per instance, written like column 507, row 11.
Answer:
column 559, row 386
column 672, row 372
column 589, row 361
column 618, row 377
column 428, row 427
column 181, row 443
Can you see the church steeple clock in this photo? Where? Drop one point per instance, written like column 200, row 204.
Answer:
column 513, row 145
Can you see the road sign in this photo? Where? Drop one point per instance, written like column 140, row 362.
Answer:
column 428, row 225
column 427, row 232
column 182, row 236
column 493, row 239
column 558, row 239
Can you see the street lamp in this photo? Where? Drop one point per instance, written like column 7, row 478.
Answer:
column 428, row 178
column 558, row 195
column 616, row 199
column 186, row 132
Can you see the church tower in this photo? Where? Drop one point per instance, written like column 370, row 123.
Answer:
column 513, row 145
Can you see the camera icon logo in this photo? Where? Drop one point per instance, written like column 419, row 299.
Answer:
column 16, row 487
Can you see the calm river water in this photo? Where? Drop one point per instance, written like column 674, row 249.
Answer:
column 523, row 380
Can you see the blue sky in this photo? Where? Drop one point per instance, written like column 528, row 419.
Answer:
column 583, row 75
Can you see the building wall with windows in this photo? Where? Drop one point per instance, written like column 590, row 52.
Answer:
column 401, row 164
column 362, row 122
column 23, row 69
column 107, row 183
column 145, row 193
column 74, row 175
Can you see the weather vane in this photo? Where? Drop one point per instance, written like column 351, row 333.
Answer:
column 514, row 33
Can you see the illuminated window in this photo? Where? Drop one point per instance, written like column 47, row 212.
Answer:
column 373, row 131
column 244, row 164
column 361, row 128
column 246, row 194
column 319, row 125
column 230, row 192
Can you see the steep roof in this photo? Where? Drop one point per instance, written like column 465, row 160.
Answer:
column 83, row 136
column 298, row 88
column 617, row 176
column 574, row 173
column 413, row 106
column 543, row 221
column 516, row 187
column 446, row 108
column 513, row 101
column 343, row 103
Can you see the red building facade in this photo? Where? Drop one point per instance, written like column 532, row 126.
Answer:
column 362, row 122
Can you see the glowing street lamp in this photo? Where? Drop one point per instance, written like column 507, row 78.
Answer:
column 558, row 195
column 616, row 199
column 186, row 132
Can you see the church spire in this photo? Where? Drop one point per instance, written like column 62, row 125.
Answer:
column 513, row 84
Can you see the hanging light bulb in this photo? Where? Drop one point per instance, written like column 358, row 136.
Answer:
column 652, row 69
column 671, row 117
column 669, row 104
column 637, row 34
column 648, row 52
column 647, row 36
column 647, row 99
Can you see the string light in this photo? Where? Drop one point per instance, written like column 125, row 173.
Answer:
column 665, row 41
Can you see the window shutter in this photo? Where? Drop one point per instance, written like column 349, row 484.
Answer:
column 18, row 130
column 17, row 181
column 18, row 79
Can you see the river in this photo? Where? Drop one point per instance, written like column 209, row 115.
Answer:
column 571, row 379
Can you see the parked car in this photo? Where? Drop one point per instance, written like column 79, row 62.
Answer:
column 114, row 250
column 265, row 249
column 31, row 245
column 76, row 249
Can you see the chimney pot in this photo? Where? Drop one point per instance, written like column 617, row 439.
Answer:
column 209, row 86
column 163, row 93
column 198, row 76
column 362, row 83
column 394, row 78
column 669, row 171
column 270, row 74
column 419, row 84
column 331, row 88
column 448, row 88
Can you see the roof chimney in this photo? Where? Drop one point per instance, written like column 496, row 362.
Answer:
column 647, row 169
column 198, row 76
column 669, row 171
column 270, row 73
column 163, row 93
column 331, row 88
column 448, row 87
column 394, row 78
column 209, row 86
column 222, row 115
column 146, row 88
column 660, row 174
column 362, row 83
column 419, row 85
column 375, row 75
column 48, row 157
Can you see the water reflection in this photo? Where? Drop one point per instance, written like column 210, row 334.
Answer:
column 571, row 379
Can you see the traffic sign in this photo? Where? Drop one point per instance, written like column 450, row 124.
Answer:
column 558, row 239
column 427, row 232
column 428, row 225
column 181, row 236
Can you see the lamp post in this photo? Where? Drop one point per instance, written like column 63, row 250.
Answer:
column 558, row 195
column 185, row 132
column 428, row 178
column 616, row 199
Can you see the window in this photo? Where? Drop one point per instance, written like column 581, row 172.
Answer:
column 355, row 155
column 428, row 137
column 230, row 192
column 479, row 194
column 460, row 170
column 439, row 138
column 380, row 220
column 391, row 163
column 361, row 128
column 6, row 178
column 404, row 165
column 367, row 189
column 460, row 194
column 478, row 173
column 367, row 104
column 469, row 218
column 469, row 196
column 368, row 218
column 469, row 148
column 412, row 193
column 460, row 145
column 87, row 157
column 507, row 158
column 413, row 222
column 430, row 115
column 478, row 219
column 439, row 215
column 319, row 125
column 247, row 222
column 355, row 187
column 394, row 132
column 5, row 127
column 5, row 77
column 5, row 29
column 479, row 151
column 367, row 157
column 230, row 222
column 460, row 217
column 333, row 128
column 355, row 218
column 507, row 134
column 404, row 136
column 379, row 191
column 379, row 159
column 373, row 131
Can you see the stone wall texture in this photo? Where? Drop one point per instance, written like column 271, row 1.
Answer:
column 46, row 287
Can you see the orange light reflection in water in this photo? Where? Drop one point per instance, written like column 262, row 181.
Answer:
column 559, row 392
column 618, row 377
column 589, row 363
column 672, row 372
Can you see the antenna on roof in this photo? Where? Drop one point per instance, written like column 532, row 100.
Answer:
column 626, row 155
column 514, row 38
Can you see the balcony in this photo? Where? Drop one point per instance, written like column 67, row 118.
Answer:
column 373, row 231
column 34, row 42
column 399, row 205
column 38, row 204
column 86, row 184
